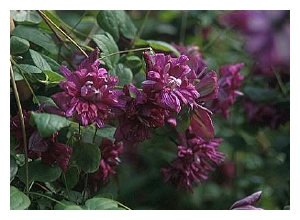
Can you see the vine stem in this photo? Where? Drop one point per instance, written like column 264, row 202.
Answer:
column 48, row 197
column 126, row 51
column 141, row 28
column 279, row 80
column 45, row 17
column 23, row 127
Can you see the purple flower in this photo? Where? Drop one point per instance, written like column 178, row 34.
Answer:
column 48, row 149
column 267, row 34
column 195, row 157
column 167, row 81
column 57, row 152
column 110, row 152
column 229, row 82
column 139, row 118
column 195, row 59
column 247, row 203
column 89, row 94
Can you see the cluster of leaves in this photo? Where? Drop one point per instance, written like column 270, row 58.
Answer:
column 258, row 155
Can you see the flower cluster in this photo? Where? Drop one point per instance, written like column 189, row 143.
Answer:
column 48, row 149
column 195, row 157
column 110, row 152
column 229, row 82
column 88, row 93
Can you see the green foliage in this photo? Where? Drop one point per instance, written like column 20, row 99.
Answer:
column 123, row 73
column 86, row 156
column 18, row 45
column 101, row 204
column 39, row 171
column 107, row 46
column 13, row 168
column 157, row 45
column 26, row 16
column 18, row 200
column 47, row 124
column 67, row 205
column 36, row 36
column 117, row 23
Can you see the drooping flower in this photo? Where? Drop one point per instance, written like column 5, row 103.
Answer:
column 267, row 35
column 195, row 157
column 247, row 203
column 48, row 149
column 88, row 92
column 229, row 82
column 57, row 152
column 139, row 118
column 167, row 81
column 110, row 152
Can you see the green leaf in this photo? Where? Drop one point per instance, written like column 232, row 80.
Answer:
column 17, row 74
column 52, row 63
column 107, row 46
column 53, row 77
column 157, row 45
column 39, row 61
column 13, row 168
column 47, row 124
column 123, row 73
column 18, row 45
column 47, row 100
column 66, row 205
column 87, row 156
column 38, row 171
column 107, row 20
column 26, row 16
column 101, row 204
column 72, row 177
column 30, row 68
column 18, row 200
column 35, row 36
column 116, row 23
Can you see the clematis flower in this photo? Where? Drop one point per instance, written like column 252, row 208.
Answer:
column 167, row 81
column 247, row 203
column 48, row 149
column 88, row 92
column 229, row 82
column 139, row 118
column 110, row 152
column 195, row 157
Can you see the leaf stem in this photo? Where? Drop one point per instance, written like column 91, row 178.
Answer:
column 48, row 197
column 66, row 184
column 25, row 79
column 94, row 138
column 23, row 128
column 44, row 16
column 126, row 51
column 124, row 206
column 141, row 29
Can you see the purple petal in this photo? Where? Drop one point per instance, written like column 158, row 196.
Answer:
column 249, row 200
column 201, row 123
column 87, row 63
column 64, row 70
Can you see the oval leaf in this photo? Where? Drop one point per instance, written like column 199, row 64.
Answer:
column 107, row 46
column 30, row 68
column 72, row 177
column 39, row 61
column 87, row 156
column 18, row 200
column 101, row 204
column 53, row 77
column 38, row 171
column 18, row 45
column 66, row 205
column 34, row 35
column 47, row 124
column 26, row 16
